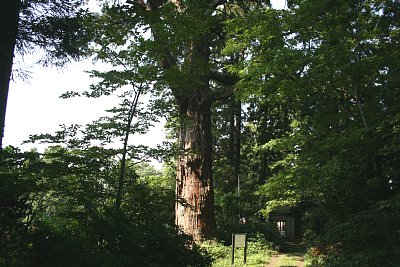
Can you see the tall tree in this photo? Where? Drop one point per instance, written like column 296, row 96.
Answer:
column 187, row 37
column 55, row 26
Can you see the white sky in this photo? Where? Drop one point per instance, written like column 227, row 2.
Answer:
column 34, row 106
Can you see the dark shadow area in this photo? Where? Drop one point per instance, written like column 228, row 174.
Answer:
column 294, row 248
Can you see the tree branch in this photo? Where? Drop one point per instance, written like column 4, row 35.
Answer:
column 140, row 3
column 224, row 78
column 220, row 95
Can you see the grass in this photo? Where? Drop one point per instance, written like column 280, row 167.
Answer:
column 258, row 254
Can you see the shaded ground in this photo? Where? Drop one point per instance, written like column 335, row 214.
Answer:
column 291, row 255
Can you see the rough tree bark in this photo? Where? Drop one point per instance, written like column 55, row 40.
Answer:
column 194, row 209
column 194, row 185
column 9, row 17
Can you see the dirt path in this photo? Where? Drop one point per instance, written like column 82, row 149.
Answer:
column 292, row 256
column 286, row 260
column 275, row 260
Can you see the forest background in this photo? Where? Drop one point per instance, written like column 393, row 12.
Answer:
column 304, row 111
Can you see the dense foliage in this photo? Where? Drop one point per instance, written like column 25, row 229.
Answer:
column 257, row 254
column 58, row 210
column 329, row 68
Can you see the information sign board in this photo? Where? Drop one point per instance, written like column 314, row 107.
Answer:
column 239, row 241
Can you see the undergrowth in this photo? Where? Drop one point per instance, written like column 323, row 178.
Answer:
column 258, row 253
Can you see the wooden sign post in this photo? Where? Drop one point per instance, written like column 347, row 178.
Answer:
column 239, row 241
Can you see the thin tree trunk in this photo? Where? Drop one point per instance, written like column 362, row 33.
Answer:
column 9, row 17
column 238, row 125
column 122, row 171
column 263, row 139
column 231, row 155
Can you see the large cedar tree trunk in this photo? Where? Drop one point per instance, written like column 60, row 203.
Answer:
column 9, row 16
column 194, row 185
column 194, row 209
